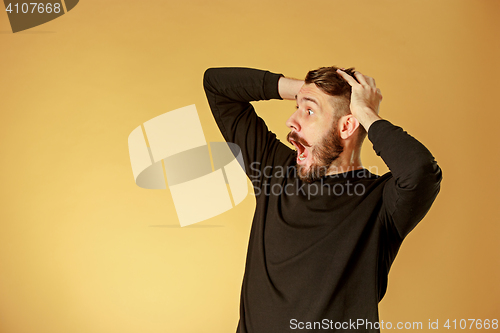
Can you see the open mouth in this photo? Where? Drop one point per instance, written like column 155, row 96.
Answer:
column 302, row 152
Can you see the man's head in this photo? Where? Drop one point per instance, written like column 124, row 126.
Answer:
column 322, row 127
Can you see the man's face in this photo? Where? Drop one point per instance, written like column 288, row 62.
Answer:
column 314, row 132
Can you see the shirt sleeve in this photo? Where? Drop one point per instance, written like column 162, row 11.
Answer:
column 416, row 177
column 229, row 92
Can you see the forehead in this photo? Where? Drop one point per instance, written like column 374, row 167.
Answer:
column 312, row 90
column 310, row 93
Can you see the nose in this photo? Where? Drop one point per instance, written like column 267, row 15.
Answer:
column 293, row 122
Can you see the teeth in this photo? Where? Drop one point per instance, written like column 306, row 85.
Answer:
column 302, row 157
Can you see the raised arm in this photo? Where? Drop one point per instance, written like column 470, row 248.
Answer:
column 288, row 88
column 416, row 177
column 229, row 92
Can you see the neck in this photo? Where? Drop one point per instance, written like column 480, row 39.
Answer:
column 347, row 161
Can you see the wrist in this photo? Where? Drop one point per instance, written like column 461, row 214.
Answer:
column 366, row 119
column 289, row 88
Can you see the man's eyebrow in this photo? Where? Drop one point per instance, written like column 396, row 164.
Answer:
column 308, row 99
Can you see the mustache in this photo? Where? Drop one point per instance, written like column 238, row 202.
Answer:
column 295, row 137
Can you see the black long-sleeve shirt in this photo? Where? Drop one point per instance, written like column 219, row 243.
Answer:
column 319, row 254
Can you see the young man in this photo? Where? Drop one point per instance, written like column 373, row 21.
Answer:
column 325, row 230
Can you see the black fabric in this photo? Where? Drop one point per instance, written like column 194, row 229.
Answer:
column 317, row 252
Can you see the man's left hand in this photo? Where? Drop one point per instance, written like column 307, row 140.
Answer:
column 365, row 98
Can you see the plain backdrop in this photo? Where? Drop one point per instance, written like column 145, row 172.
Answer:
column 83, row 249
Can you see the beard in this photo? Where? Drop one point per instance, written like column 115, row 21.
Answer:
column 322, row 155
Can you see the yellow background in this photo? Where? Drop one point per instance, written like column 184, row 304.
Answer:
column 84, row 249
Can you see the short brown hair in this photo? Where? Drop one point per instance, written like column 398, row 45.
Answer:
column 331, row 83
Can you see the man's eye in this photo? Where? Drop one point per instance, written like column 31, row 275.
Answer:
column 310, row 112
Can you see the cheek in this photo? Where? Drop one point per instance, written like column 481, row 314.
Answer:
column 317, row 136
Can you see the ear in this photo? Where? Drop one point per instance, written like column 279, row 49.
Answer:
column 347, row 126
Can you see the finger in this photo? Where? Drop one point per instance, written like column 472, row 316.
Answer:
column 361, row 78
column 347, row 77
column 371, row 81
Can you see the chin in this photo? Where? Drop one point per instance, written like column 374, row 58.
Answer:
column 308, row 173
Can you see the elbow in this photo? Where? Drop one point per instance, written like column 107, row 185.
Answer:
column 423, row 178
column 429, row 177
column 433, row 172
column 208, row 78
